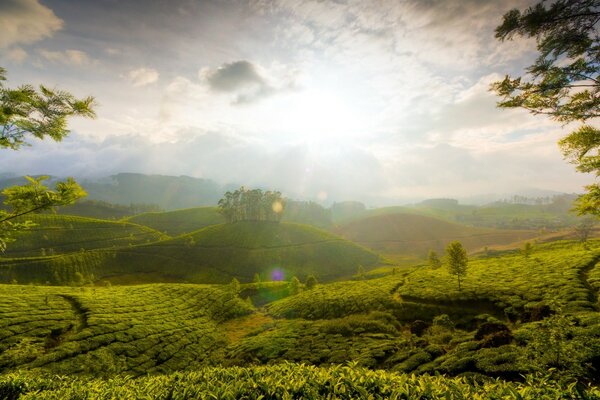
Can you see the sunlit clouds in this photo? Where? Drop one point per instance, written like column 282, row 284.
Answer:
column 324, row 100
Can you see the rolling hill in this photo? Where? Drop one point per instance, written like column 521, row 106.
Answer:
column 211, row 255
column 61, row 234
column 411, row 234
column 178, row 222
column 413, row 321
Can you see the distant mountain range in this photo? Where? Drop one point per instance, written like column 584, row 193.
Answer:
column 175, row 192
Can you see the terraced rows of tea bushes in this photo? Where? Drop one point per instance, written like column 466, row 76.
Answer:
column 102, row 331
column 59, row 234
column 288, row 381
column 553, row 273
column 214, row 254
column 179, row 221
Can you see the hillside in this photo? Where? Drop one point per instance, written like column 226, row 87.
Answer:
column 213, row 254
column 179, row 221
column 413, row 321
column 411, row 234
column 60, row 234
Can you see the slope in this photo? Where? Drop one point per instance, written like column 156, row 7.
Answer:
column 415, row 235
column 211, row 255
column 60, row 234
column 179, row 221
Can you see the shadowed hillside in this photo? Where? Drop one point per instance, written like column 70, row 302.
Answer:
column 210, row 255
column 59, row 234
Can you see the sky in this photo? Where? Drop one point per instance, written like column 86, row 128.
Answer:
column 382, row 101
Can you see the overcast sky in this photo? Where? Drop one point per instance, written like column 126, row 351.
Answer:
column 332, row 99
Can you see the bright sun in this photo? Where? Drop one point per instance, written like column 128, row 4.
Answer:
column 317, row 113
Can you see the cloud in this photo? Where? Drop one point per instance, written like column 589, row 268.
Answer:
column 76, row 58
column 248, row 82
column 233, row 76
column 17, row 55
column 26, row 22
column 143, row 76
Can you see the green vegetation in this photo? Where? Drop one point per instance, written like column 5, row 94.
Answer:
column 251, row 205
column 25, row 111
column 214, row 254
column 103, row 331
column 60, row 234
column 288, row 381
column 563, row 81
column 457, row 260
column 512, row 316
column 178, row 222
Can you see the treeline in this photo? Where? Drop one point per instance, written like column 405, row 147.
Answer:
column 251, row 205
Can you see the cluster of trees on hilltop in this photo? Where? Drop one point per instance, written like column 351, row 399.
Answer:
column 251, row 205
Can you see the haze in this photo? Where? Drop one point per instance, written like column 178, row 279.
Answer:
column 331, row 100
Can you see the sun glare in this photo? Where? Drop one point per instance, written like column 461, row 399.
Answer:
column 318, row 113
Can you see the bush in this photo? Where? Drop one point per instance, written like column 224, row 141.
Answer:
column 418, row 327
column 490, row 328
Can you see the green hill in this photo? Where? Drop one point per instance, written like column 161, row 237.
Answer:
column 415, row 235
column 211, row 255
column 511, row 318
column 60, row 234
column 179, row 221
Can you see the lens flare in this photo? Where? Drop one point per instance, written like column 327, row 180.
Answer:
column 277, row 207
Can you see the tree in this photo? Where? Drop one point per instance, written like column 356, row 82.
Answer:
column 251, row 205
column 234, row 285
column 434, row 261
column 585, row 228
column 527, row 249
column 564, row 81
column 457, row 260
column 360, row 272
column 311, row 282
column 294, row 285
column 24, row 112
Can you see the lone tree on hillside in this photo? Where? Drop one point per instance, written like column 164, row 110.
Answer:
column 251, row 205
column 564, row 81
column 42, row 113
column 457, row 260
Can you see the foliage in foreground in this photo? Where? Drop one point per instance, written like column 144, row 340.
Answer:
column 287, row 381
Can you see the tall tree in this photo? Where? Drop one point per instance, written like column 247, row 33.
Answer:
column 42, row 113
column 457, row 260
column 564, row 81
